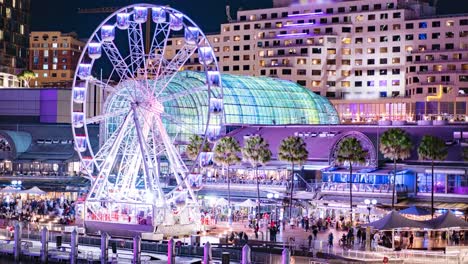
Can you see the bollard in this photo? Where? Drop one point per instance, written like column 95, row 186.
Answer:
column 286, row 256
column 136, row 250
column 74, row 247
column 44, row 245
column 368, row 239
column 171, row 251
column 104, row 248
column 207, row 253
column 225, row 258
column 246, row 255
column 17, row 237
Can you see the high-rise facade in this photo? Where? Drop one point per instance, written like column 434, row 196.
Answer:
column 385, row 50
column 53, row 57
column 14, row 35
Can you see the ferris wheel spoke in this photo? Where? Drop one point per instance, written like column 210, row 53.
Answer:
column 158, row 46
column 120, row 66
column 136, row 46
column 172, row 68
column 178, row 95
column 99, row 118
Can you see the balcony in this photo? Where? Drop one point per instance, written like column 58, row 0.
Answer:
column 441, row 72
column 438, row 61
column 297, row 35
column 293, row 45
column 436, row 83
column 436, row 51
column 277, row 65
column 285, row 55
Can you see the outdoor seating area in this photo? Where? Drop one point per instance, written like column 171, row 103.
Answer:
column 399, row 232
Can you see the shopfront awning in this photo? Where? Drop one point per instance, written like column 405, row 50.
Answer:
column 437, row 205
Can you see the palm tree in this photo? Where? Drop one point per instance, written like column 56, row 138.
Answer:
column 294, row 150
column 226, row 154
column 257, row 152
column 195, row 147
column 433, row 149
column 351, row 151
column 26, row 76
column 395, row 144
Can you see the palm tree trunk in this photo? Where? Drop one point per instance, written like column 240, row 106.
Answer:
column 432, row 189
column 258, row 195
column 351, row 192
column 394, row 184
column 229, row 197
column 292, row 190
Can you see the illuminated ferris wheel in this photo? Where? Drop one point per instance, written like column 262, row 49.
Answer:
column 138, row 112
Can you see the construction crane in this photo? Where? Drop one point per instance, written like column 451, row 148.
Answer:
column 108, row 10
column 228, row 12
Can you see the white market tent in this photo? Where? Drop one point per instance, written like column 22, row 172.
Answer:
column 222, row 202
column 34, row 190
column 247, row 203
column 9, row 189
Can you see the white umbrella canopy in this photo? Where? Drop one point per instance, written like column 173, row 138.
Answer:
column 247, row 203
column 222, row 202
column 34, row 190
column 9, row 189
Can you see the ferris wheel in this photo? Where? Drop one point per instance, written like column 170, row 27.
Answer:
column 136, row 159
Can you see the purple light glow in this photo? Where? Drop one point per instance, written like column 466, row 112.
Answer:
column 306, row 14
column 290, row 35
column 299, row 24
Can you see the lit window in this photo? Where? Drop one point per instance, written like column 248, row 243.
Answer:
column 45, row 66
column 45, row 75
column 396, row 83
column 382, row 83
column 422, row 36
column 215, row 40
column 236, row 38
column 450, row 23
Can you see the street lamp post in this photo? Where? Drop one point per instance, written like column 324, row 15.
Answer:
column 370, row 203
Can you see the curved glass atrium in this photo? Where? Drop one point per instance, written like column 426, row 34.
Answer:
column 247, row 100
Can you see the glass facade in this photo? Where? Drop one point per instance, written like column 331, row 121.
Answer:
column 443, row 183
column 247, row 100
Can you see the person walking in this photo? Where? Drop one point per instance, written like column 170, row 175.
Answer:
column 330, row 239
column 315, row 232
column 411, row 241
column 359, row 234
column 310, row 240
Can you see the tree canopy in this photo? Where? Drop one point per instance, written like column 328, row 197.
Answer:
column 350, row 150
column 26, row 76
column 256, row 151
column 293, row 149
column 395, row 144
column 432, row 148
column 194, row 147
column 226, row 151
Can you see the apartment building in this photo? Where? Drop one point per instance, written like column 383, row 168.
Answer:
column 398, row 54
column 53, row 56
column 14, row 32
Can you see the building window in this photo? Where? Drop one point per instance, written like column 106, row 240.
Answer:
column 422, row 24
column 286, row 71
column 383, row 72
column 246, row 67
column 226, row 68
column 370, row 72
column 422, row 36
column 383, row 83
column 397, row 15
column 235, row 68
column 316, row 72
column 409, row 26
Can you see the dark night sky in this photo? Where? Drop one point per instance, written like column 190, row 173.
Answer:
column 208, row 14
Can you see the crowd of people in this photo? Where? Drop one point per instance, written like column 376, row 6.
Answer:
column 16, row 208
